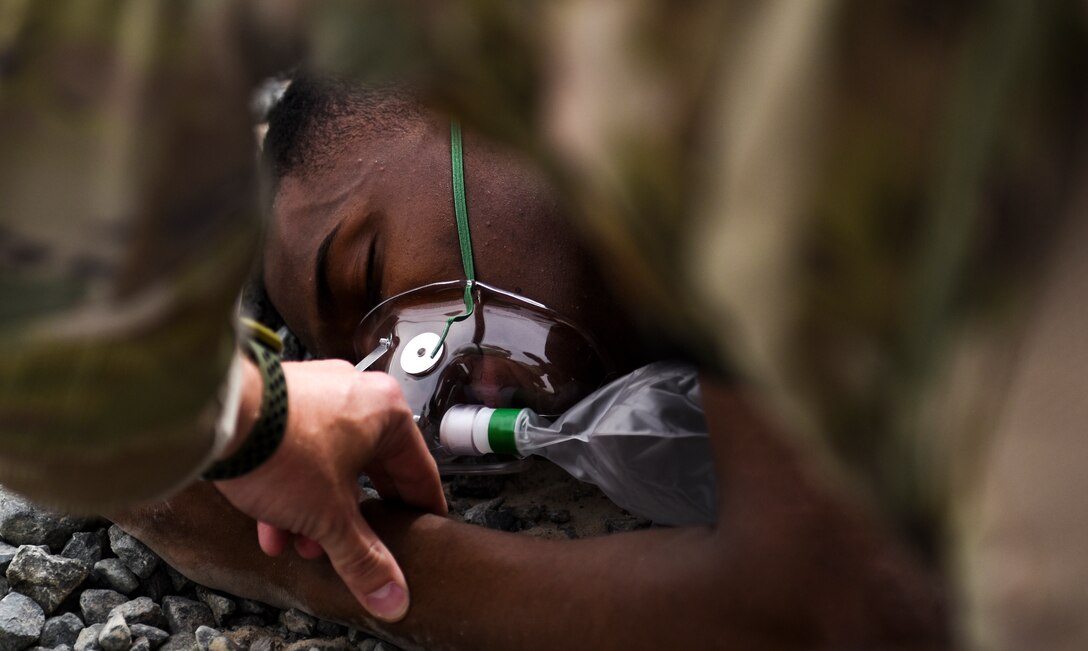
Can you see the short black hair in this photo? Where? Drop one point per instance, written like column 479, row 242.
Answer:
column 308, row 124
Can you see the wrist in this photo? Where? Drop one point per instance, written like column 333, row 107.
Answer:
column 262, row 428
column 249, row 409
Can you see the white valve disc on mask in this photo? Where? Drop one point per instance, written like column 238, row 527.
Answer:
column 415, row 356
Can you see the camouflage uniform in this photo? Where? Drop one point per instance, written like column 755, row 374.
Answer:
column 128, row 222
column 874, row 212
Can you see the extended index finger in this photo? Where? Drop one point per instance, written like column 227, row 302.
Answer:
column 402, row 458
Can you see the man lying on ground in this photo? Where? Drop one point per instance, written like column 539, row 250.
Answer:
column 363, row 212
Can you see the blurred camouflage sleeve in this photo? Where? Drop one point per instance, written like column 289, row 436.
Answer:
column 840, row 203
column 856, row 207
column 127, row 225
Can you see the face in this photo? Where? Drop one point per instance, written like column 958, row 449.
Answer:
column 378, row 220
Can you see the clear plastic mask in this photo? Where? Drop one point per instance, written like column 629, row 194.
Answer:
column 512, row 352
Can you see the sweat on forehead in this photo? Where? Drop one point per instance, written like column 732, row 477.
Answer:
column 318, row 114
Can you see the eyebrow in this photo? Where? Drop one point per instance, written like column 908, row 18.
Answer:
column 321, row 271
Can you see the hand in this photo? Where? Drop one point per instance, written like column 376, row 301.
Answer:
column 341, row 423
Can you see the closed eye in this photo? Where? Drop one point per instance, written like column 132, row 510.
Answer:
column 323, row 293
column 372, row 293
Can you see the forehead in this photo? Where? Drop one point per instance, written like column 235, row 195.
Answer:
column 354, row 179
column 344, row 192
column 307, row 206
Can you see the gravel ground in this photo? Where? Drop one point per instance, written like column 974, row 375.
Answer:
column 82, row 584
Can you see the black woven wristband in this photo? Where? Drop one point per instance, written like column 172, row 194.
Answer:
column 267, row 432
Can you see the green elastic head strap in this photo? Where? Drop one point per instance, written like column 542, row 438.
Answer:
column 460, row 210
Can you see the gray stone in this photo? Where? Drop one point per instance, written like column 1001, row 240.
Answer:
column 142, row 611
column 321, row 644
column 140, row 644
column 115, row 634
column 96, row 604
column 246, row 636
column 158, row 585
column 155, row 636
column 45, row 578
column 493, row 515
column 531, row 514
column 296, row 621
column 369, row 644
column 487, row 486
column 136, row 555
column 21, row 622
column 247, row 620
column 180, row 642
column 561, row 516
column 5, row 587
column 458, row 506
column 503, row 519
column 178, row 580
column 7, row 552
column 204, row 635
column 222, row 643
column 25, row 523
column 88, row 639
column 264, row 644
column 114, row 574
column 185, row 615
column 62, row 629
column 84, row 546
column 326, row 628
column 475, row 514
column 221, row 606
column 626, row 523
column 209, row 639
column 251, row 607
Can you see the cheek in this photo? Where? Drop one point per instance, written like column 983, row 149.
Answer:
column 290, row 294
column 280, row 291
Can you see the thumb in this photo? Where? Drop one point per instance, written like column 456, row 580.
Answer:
column 368, row 569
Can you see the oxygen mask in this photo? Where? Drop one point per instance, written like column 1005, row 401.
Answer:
column 508, row 352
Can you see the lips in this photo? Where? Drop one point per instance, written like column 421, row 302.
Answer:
column 493, row 383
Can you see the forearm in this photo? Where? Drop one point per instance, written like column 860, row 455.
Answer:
column 794, row 564
column 663, row 588
column 471, row 588
column 478, row 589
column 791, row 565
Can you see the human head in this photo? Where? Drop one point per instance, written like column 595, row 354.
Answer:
column 362, row 184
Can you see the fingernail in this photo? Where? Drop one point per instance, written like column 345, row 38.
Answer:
column 389, row 602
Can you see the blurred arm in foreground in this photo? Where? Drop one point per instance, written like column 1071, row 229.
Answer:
column 856, row 207
column 128, row 224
